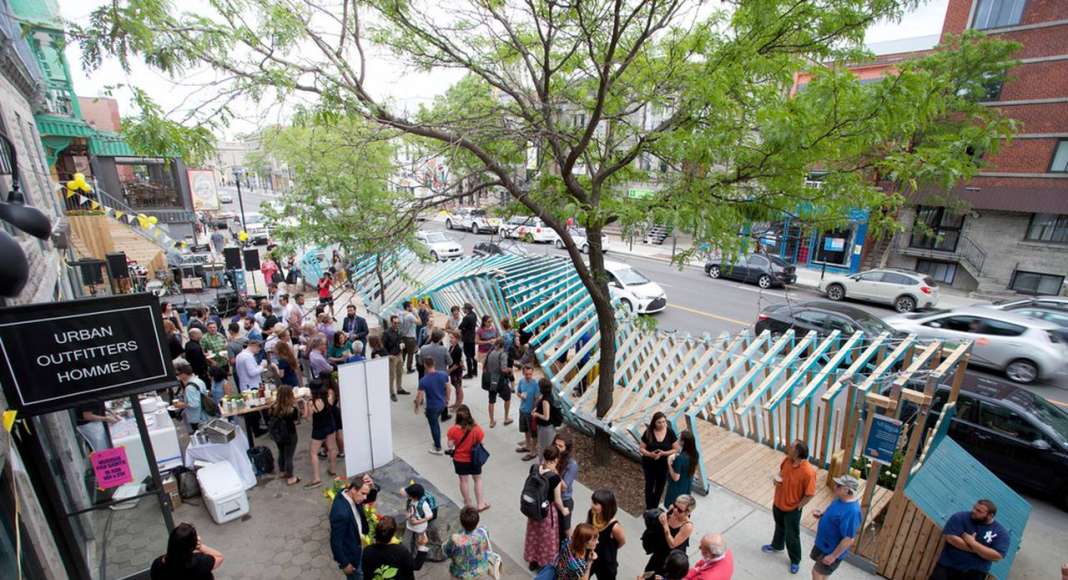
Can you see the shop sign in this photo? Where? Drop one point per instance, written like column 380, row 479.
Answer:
column 833, row 244
column 111, row 467
column 60, row 355
column 882, row 439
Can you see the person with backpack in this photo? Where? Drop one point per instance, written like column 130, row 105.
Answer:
column 196, row 401
column 283, row 431
column 546, row 415
column 497, row 379
column 421, row 509
column 463, row 437
column 543, row 504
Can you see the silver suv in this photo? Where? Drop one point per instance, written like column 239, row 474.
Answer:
column 905, row 291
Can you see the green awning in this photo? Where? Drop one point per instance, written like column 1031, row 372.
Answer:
column 109, row 145
column 53, row 126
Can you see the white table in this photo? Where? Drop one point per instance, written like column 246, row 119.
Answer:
column 235, row 452
column 163, row 437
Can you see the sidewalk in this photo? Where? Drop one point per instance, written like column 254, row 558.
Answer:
column 745, row 525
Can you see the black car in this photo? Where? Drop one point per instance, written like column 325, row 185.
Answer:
column 761, row 269
column 1018, row 435
column 823, row 317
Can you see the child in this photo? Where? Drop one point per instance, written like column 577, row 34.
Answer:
column 420, row 513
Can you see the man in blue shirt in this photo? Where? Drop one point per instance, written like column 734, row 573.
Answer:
column 973, row 541
column 435, row 389
column 838, row 528
column 527, row 390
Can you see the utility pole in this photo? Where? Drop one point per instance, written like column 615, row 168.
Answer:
column 240, row 201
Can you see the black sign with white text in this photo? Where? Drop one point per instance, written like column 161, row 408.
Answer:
column 63, row 354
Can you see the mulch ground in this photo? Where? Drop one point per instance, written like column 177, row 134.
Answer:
column 622, row 475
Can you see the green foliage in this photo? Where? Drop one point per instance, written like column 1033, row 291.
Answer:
column 151, row 134
column 887, row 475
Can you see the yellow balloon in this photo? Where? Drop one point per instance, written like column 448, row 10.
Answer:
column 243, row 236
column 72, row 185
column 153, row 219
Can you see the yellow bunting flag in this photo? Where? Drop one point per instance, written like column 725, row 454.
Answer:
column 9, row 420
column 119, row 214
column 94, row 205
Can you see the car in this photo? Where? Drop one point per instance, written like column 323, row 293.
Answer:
column 905, row 291
column 256, row 228
column 763, row 270
column 474, row 219
column 578, row 235
column 440, row 246
column 483, row 249
column 1020, row 436
column 635, row 292
column 1024, row 348
column 823, row 317
column 530, row 229
column 226, row 198
column 1045, row 302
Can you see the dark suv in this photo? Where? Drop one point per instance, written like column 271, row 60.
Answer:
column 1018, row 435
column 761, row 269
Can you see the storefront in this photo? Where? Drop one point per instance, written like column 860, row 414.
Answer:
column 838, row 250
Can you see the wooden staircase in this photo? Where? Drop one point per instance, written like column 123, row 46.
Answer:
column 94, row 236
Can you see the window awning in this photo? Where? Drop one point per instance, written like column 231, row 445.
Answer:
column 103, row 144
column 53, row 126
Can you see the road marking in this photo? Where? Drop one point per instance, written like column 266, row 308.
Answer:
column 759, row 291
column 665, row 285
column 710, row 315
column 1058, row 403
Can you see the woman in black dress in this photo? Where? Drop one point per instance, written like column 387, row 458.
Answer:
column 322, row 418
column 658, row 443
column 186, row 557
column 675, row 529
column 610, row 536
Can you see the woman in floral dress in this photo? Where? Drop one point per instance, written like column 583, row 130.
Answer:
column 469, row 550
column 542, row 543
column 577, row 554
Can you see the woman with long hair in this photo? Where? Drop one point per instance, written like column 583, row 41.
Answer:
column 377, row 349
column 174, row 339
column 287, row 368
column 568, row 470
column 577, row 554
column 681, row 466
column 335, row 408
column 462, row 437
column 456, row 367
column 542, row 415
column 658, row 442
column 284, row 411
column 186, row 558
column 542, row 541
column 610, row 535
column 322, row 418
column 169, row 313
column 485, row 336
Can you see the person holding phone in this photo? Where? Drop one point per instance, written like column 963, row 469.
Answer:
column 577, row 554
column 658, row 443
column 676, row 529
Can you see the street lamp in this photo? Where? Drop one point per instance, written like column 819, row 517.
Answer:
column 240, row 202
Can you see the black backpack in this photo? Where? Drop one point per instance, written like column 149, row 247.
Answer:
column 278, row 430
column 534, row 501
column 556, row 417
column 262, row 460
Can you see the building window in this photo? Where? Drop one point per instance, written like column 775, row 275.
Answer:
column 940, row 271
column 936, row 228
column 1048, row 227
column 148, row 184
column 1036, row 283
column 998, row 13
column 834, row 247
column 1060, row 158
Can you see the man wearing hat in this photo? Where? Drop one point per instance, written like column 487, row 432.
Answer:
column 838, row 528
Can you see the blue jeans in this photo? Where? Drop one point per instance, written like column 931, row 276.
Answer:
column 433, row 416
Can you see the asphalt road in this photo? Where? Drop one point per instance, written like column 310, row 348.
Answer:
column 698, row 304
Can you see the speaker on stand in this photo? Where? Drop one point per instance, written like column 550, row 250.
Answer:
column 232, row 256
column 91, row 272
column 119, row 272
column 252, row 263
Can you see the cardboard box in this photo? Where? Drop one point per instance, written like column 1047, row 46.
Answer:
column 170, row 487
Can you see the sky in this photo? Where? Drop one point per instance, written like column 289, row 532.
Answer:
column 390, row 79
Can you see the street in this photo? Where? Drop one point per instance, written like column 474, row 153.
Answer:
column 698, row 304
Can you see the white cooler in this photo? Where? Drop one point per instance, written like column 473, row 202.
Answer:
column 223, row 493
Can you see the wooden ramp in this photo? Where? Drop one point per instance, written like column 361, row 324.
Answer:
column 94, row 236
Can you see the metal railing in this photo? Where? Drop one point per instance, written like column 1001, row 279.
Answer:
column 107, row 200
column 966, row 251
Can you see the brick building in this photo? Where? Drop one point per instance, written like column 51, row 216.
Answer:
column 1015, row 236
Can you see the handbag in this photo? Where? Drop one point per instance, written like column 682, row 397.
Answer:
column 479, row 453
column 492, row 557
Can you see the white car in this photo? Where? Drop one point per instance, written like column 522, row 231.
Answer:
column 226, row 198
column 530, row 229
column 474, row 219
column 636, row 292
column 1025, row 348
column 256, row 228
column 440, row 246
column 580, row 238
column 905, row 291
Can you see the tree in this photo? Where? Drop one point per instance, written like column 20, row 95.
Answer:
column 341, row 194
column 599, row 88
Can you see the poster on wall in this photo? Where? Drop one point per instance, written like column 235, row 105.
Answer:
column 202, row 187
column 111, row 467
column 59, row 355
column 365, row 412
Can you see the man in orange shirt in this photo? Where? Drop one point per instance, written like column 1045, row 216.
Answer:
column 795, row 485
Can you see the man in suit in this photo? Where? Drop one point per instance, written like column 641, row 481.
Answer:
column 348, row 524
column 355, row 326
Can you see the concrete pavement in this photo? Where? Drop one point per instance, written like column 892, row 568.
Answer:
column 746, row 525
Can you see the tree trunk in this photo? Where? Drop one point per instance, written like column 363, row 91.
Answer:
column 606, row 325
column 381, row 280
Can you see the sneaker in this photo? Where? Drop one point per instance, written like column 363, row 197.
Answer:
column 393, row 398
column 435, row 451
column 402, row 392
column 769, row 549
column 794, row 568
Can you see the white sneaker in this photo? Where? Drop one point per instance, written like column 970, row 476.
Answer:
column 435, row 451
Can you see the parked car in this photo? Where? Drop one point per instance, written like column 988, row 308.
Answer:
column 440, row 246
column 580, row 238
column 226, row 198
column 483, row 249
column 256, row 227
column 905, row 291
column 1025, row 348
column 823, row 317
column 636, row 292
column 1045, row 302
column 530, row 229
column 474, row 219
column 763, row 270
column 1018, row 435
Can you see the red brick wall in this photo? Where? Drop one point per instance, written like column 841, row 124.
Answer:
column 956, row 17
column 1023, row 156
column 1040, row 42
column 1039, row 80
column 1035, row 11
column 101, row 113
column 1040, row 118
